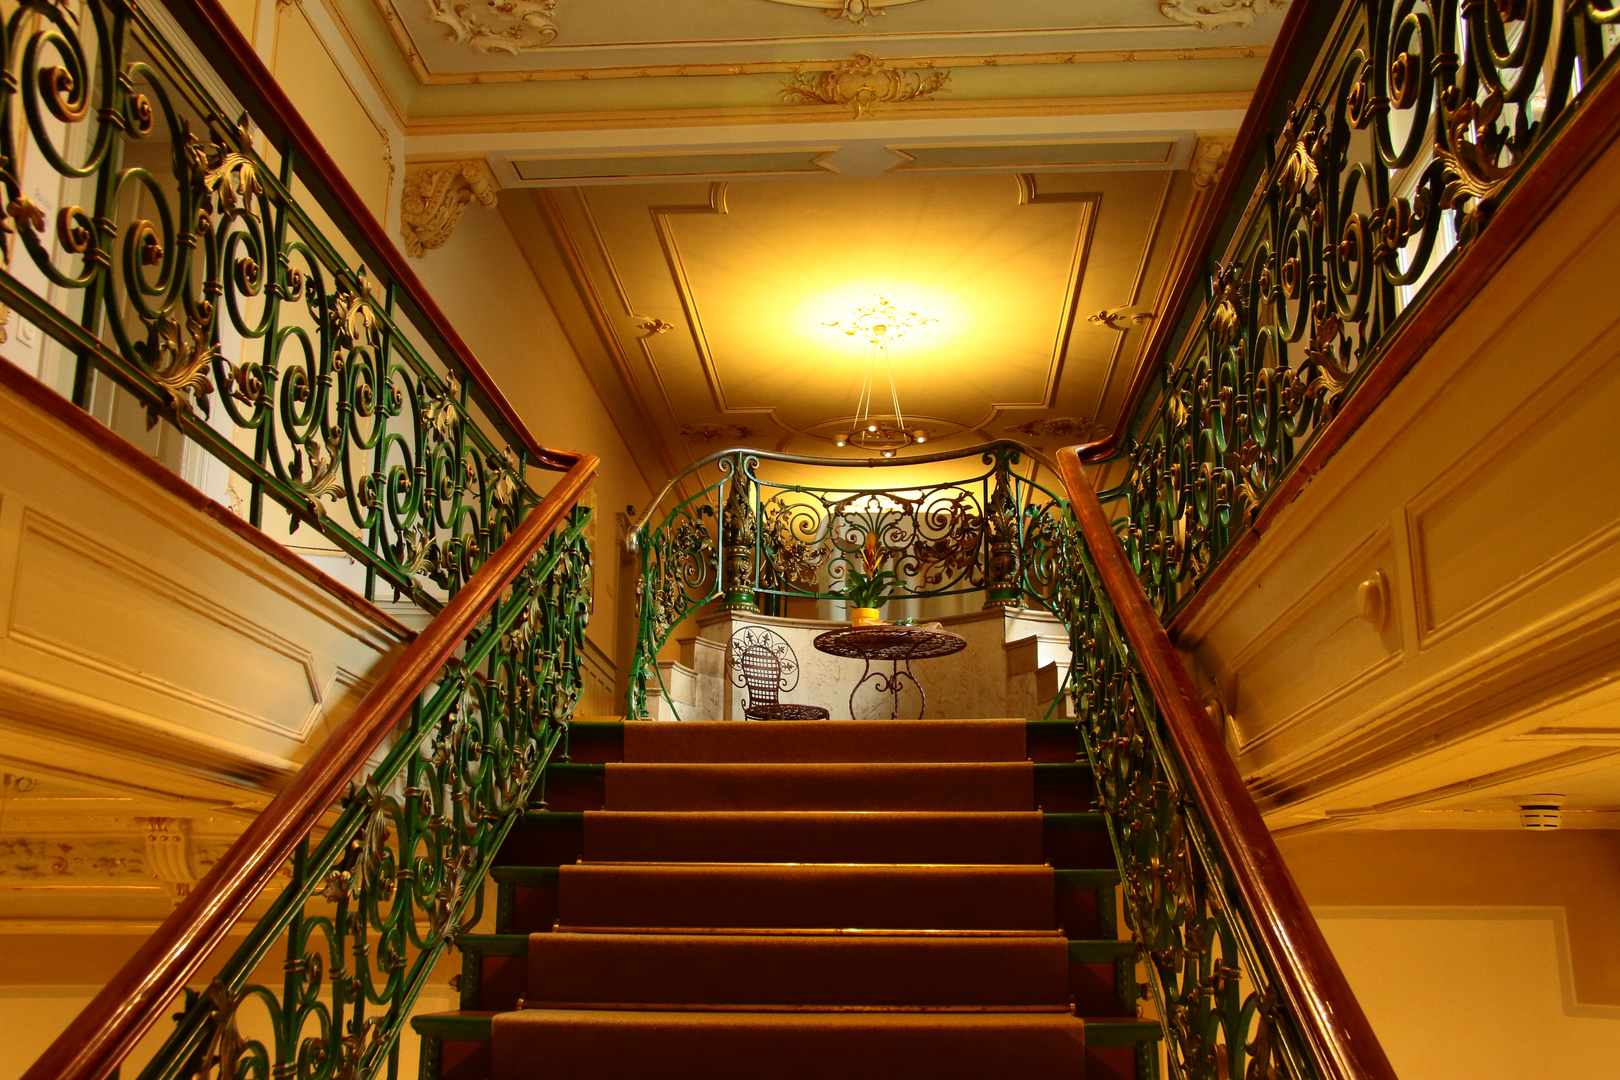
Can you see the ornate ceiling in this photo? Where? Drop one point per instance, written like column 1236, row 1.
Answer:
column 448, row 66
column 701, row 185
column 710, row 304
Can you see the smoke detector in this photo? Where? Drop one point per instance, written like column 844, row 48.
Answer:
column 1541, row 811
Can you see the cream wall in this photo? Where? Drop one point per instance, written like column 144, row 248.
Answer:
column 1470, row 994
column 483, row 283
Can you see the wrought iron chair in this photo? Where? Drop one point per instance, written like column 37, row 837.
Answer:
column 764, row 664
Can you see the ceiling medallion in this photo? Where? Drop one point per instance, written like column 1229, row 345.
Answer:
column 856, row 11
column 862, row 82
column 879, row 322
column 508, row 26
column 1208, row 14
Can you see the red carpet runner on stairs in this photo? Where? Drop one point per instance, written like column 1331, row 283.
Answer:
column 844, row 900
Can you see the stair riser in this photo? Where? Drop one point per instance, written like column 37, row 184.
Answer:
column 763, row 970
column 1008, row 786
column 788, row 898
column 813, row 838
column 881, row 1048
column 807, row 741
column 681, row 839
column 1047, row 742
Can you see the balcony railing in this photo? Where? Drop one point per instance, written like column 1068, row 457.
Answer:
column 1240, row 974
column 1395, row 150
column 176, row 240
column 750, row 541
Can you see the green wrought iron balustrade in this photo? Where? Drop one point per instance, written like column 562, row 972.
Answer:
column 399, row 872
column 1413, row 121
column 166, row 242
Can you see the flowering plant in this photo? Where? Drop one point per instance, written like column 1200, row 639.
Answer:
column 868, row 586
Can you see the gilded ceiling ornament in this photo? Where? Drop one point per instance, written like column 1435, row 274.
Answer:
column 862, row 82
column 508, row 26
column 1058, row 427
column 435, row 195
column 856, row 11
column 1208, row 14
column 710, row 433
column 1115, row 318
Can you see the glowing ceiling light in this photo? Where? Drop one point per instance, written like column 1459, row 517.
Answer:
column 880, row 323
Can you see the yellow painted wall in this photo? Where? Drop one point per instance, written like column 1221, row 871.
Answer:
column 1477, row 954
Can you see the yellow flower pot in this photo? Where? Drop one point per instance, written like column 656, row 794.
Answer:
column 864, row 616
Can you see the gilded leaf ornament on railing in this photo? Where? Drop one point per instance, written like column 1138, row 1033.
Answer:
column 1417, row 117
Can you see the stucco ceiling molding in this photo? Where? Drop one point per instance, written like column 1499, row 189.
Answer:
column 729, row 117
column 1208, row 14
column 864, row 82
column 504, row 26
column 856, row 11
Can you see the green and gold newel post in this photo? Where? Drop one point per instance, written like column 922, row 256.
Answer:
column 738, row 538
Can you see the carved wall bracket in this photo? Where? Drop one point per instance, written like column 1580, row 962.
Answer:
column 435, row 195
column 1209, row 159
column 508, row 26
column 863, row 82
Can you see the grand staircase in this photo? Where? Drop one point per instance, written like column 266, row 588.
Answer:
column 856, row 900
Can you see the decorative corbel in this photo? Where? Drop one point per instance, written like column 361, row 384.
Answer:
column 171, row 855
column 436, row 192
column 1209, row 159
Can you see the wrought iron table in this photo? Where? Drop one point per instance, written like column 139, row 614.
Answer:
column 898, row 644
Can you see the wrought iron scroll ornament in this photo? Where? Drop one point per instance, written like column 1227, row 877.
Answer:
column 1417, row 117
column 399, row 874
column 152, row 245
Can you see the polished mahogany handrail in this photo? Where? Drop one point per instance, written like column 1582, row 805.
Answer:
column 1330, row 1019
column 137, row 997
column 1268, row 93
column 232, row 58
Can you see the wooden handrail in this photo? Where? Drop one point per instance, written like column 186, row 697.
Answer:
column 136, row 998
column 1269, row 93
column 1336, row 1031
column 208, row 24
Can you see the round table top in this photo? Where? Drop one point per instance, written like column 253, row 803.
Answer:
column 884, row 642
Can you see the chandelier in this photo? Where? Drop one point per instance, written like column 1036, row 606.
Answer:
column 879, row 322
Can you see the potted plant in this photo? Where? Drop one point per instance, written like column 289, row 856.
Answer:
column 866, row 588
